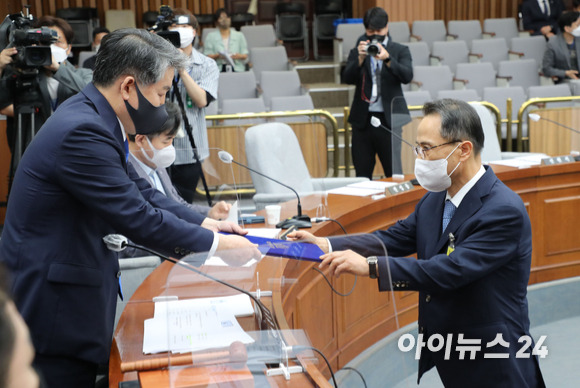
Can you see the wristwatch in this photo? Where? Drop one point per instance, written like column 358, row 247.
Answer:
column 373, row 267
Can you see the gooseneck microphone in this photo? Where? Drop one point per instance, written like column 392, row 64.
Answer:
column 537, row 117
column 376, row 122
column 300, row 220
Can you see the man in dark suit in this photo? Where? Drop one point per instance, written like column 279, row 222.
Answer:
column 377, row 66
column 541, row 16
column 562, row 56
column 73, row 187
column 473, row 264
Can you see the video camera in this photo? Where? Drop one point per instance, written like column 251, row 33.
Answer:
column 161, row 26
column 33, row 44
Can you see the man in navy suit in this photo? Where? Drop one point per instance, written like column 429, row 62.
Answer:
column 473, row 263
column 73, row 187
column 378, row 76
column 541, row 16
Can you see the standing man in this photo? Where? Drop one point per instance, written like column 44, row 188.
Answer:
column 73, row 187
column 473, row 240
column 197, row 87
column 562, row 55
column 541, row 16
column 377, row 66
column 226, row 42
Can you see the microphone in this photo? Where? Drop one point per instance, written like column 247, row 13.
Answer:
column 300, row 220
column 537, row 117
column 376, row 122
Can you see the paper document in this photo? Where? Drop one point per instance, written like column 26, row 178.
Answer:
column 188, row 326
column 363, row 189
column 227, row 58
column 522, row 161
column 233, row 213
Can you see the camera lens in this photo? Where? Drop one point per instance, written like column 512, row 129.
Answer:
column 373, row 49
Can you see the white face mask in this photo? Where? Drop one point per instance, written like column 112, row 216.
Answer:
column 185, row 36
column 162, row 158
column 576, row 32
column 58, row 53
column 432, row 174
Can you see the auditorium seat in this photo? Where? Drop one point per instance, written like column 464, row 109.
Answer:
column 429, row 31
column 450, row 53
column 466, row 30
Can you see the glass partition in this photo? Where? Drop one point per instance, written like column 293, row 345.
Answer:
column 405, row 122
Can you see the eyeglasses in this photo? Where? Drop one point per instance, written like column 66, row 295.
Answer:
column 421, row 151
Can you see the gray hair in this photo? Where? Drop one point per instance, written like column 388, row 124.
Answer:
column 459, row 121
column 138, row 53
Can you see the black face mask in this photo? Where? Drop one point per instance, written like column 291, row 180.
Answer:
column 376, row 38
column 147, row 118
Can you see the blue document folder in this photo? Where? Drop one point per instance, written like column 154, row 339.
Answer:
column 287, row 249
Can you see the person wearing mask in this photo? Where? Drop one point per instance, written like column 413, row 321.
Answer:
column 98, row 34
column 73, row 187
column 152, row 153
column 197, row 88
column 378, row 76
column 541, row 16
column 562, row 56
column 55, row 83
column 473, row 241
column 226, row 42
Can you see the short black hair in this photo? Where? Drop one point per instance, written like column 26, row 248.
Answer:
column 171, row 125
column 100, row 30
column 53, row 21
column 219, row 12
column 459, row 121
column 567, row 18
column 375, row 18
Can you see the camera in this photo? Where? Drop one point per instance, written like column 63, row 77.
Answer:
column 161, row 26
column 373, row 48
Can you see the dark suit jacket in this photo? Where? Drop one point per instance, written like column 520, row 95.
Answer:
column 557, row 57
column 391, row 78
column 479, row 290
column 534, row 19
column 71, row 188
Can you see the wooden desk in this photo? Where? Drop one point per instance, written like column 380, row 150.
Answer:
column 342, row 327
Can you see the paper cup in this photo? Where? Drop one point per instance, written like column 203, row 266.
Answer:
column 273, row 214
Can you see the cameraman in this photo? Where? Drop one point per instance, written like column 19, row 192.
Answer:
column 198, row 88
column 378, row 76
column 55, row 83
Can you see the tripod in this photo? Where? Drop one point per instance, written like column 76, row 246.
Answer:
column 189, row 130
column 27, row 104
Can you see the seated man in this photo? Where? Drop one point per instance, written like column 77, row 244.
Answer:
column 150, row 155
column 226, row 41
column 98, row 34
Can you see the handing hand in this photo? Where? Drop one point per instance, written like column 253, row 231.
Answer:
column 223, row 226
column 307, row 237
column 219, row 211
column 345, row 262
column 237, row 250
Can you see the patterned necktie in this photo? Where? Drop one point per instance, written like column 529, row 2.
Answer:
column 126, row 151
column 448, row 212
column 546, row 9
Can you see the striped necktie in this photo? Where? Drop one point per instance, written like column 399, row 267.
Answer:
column 448, row 212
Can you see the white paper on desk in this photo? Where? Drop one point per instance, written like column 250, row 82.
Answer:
column 233, row 214
column 192, row 330
column 227, row 58
column 264, row 232
column 363, row 189
column 521, row 162
column 239, row 305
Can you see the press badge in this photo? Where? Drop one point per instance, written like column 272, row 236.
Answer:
column 451, row 246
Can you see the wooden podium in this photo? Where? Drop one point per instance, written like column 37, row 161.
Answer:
column 343, row 327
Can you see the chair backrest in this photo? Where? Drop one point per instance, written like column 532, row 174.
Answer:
column 348, row 33
column 492, row 50
column 303, row 102
column 433, row 78
column 559, row 90
column 290, row 21
column 280, row 83
column 243, row 105
column 466, row 95
column 273, row 149
column 491, row 146
column 119, row 18
column 499, row 95
column 523, row 72
column 84, row 55
column 323, row 25
column 205, row 32
column 261, row 35
column 506, row 28
column 466, row 30
column 236, row 85
column 451, row 52
column 416, row 98
column 477, row 75
column 430, row 31
column 268, row 58
column 399, row 31
column 419, row 53
column 533, row 47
